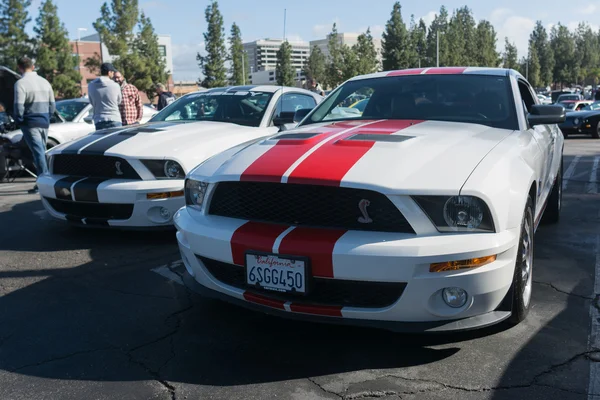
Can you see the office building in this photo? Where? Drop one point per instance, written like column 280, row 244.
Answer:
column 262, row 54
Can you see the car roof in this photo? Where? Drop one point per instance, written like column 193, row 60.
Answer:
column 443, row 71
column 249, row 88
column 78, row 100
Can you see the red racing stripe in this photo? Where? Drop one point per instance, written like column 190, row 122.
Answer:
column 412, row 71
column 263, row 300
column 256, row 236
column 445, row 71
column 271, row 166
column 330, row 311
column 316, row 244
column 331, row 162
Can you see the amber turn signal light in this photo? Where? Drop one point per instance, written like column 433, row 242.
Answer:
column 462, row 264
column 164, row 195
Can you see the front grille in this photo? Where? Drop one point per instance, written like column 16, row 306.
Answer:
column 96, row 166
column 91, row 210
column 330, row 292
column 307, row 205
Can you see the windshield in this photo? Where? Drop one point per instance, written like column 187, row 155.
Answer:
column 69, row 109
column 592, row 107
column 476, row 99
column 568, row 106
column 242, row 108
column 568, row 97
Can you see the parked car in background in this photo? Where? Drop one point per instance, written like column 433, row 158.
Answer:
column 569, row 96
column 133, row 177
column 574, row 105
column 586, row 121
column 544, row 99
column 417, row 214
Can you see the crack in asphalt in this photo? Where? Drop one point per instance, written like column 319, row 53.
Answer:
column 550, row 285
column 63, row 357
column 311, row 380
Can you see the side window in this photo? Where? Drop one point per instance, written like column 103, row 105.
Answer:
column 526, row 96
column 289, row 103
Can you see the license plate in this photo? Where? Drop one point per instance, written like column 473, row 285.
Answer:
column 276, row 273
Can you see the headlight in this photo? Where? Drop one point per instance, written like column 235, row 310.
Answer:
column 457, row 213
column 195, row 193
column 576, row 121
column 165, row 169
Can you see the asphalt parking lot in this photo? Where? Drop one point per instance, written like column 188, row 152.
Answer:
column 104, row 315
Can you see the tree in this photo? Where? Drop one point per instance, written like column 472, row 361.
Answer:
column 239, row 62
column 365, row 53
column 586, row 50
column 394, row 44
column 213, row 64
column 316, row 65
column 510, row 55
column 115, row 25
column 146, row 47
column 54, row 55
column 285, row 70
column 539, row 40
column 461, row 38
column 417, row 43
column 438, row 25
column 334, row 74
column 14, row 41
column 562, row 44
column 486, row 54
column 533, row 70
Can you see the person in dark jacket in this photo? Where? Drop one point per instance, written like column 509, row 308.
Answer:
column 34, row 104
column 164, row 96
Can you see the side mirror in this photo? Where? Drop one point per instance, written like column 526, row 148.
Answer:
column 546, row 115
column 88, row 120
column 301, row 113
column 287, row 127
column 283, row 118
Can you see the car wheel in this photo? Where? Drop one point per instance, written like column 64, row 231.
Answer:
column 552, row 211
column 596, row 134
column 50, row 143
column 522, row 284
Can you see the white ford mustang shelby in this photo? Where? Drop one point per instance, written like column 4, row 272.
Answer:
column 417, row 214
column 134, row 176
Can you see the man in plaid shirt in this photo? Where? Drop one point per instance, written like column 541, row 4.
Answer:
column 131, row 107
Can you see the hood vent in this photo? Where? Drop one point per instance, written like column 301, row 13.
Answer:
column 296, row 136
column 374, row 137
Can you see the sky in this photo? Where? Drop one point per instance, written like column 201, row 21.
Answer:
column 312, row 19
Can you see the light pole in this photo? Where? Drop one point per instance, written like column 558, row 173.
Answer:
column 244, row 66
column 437, row 48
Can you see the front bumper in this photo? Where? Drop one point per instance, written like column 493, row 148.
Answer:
column 127, row 196
column 576, row 130
column 372, row 257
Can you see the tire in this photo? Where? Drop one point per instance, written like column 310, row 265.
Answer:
column 50, row 143
column 596, row 134
column 552, row 212
column 522, row 284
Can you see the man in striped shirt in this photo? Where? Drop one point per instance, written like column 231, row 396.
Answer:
column 34, row 105
column 131, row 107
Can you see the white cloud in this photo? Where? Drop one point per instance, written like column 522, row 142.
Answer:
column 320, row 31
column 376, row 30
column 500, row 14
column 514, row 27
column 574, row 24
column 429, row 17
column 294, row 38
column 588, row 9
column 185, row 65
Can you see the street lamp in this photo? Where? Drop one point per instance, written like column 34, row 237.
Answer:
column 437, row 51
column 244, row 66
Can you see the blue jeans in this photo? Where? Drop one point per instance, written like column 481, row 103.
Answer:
column 107, row 125
column 36, row 140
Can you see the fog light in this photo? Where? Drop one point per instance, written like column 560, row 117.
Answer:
column 165, row 213
column 454, row 297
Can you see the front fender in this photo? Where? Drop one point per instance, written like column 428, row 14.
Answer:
column 504, row 177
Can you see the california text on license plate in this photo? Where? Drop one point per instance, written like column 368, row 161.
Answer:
column 276, row 273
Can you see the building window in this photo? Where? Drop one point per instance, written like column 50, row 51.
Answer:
column 162, row 49
column 271, row 79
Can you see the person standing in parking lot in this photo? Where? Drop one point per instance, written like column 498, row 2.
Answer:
column 131, row 107
column 164, row 96
column 105, row 96
column 34, row 105
column 314, row 87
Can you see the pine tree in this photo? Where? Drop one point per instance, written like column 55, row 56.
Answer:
column 533, row 70
column 349, row 65
column 54, row 55
column 586, row 50
column 418, row 43
column 365, row 53
column 115, row 25
column 146, row 46
column 334, row 74
column 395, row 42
column 14, row 41
column 438, row 25
column 284, row 70
column 213, row 64
column 316, row 65
column 239, row 61
column 485, row 40
column 461, row 38
column 562, row 44
column 511, row 57
column 539, row 40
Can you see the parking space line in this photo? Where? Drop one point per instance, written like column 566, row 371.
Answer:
column 594, row 341
column 592, row 185
column 569, row 172
column 167, row 273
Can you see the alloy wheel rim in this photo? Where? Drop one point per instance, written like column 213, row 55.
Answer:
column 526, row 261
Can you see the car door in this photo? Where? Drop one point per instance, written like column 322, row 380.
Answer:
column 291, row 102
column 546, row 137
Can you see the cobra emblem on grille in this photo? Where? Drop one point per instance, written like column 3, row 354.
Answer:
column 118, row 167
column 362, row 206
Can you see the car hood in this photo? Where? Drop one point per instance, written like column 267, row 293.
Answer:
column 581, row 114
column 187, row 143
column 392, row 156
